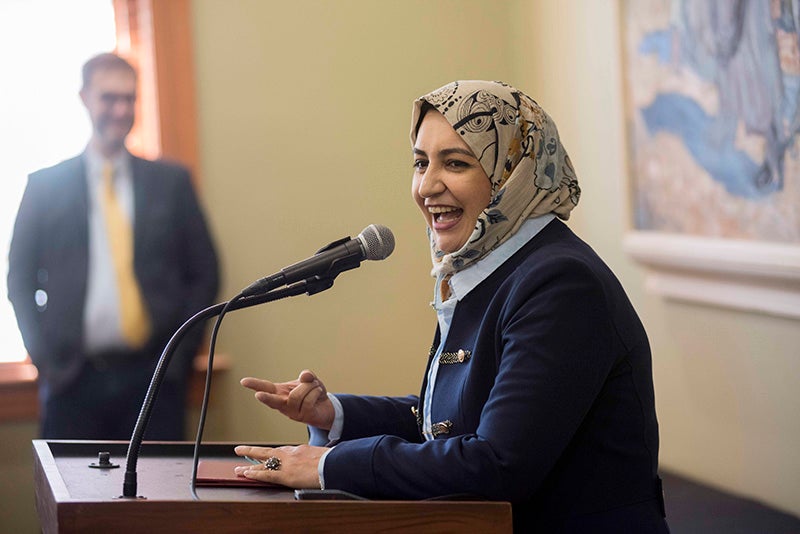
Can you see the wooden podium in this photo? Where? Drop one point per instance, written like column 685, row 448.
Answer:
column 72, row 496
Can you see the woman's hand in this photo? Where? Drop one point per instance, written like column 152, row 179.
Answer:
column 294, row 467
column 304, row 400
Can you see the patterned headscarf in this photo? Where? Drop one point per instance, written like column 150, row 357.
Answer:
column 518, row 146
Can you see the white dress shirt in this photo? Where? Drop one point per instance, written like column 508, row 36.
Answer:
column 101, row 315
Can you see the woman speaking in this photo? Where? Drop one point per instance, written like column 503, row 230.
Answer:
column 539, row 387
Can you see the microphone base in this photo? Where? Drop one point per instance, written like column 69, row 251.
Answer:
column 129, row 486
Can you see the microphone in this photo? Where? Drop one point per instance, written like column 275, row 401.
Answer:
column 375, row 242
column 311, row 275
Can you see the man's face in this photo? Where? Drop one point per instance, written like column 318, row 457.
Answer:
column 109, row 98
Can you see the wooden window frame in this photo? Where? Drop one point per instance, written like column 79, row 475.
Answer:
column 156, row 37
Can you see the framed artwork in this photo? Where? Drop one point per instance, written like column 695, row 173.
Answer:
column 713, row 111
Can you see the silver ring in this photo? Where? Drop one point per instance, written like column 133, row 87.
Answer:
column 272, row 463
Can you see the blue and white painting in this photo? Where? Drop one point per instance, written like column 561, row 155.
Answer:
column 714, row 111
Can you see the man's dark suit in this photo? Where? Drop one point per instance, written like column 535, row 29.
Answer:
column 174, row 260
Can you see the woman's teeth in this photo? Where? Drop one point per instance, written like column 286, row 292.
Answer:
column 444, row 213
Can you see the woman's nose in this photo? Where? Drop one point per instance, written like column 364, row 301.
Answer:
column 430, row 183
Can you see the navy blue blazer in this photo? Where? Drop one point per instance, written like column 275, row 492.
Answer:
column 174, row 261
column 550, row 405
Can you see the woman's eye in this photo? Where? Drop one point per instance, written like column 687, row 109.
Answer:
column 420, row 164
column 458, row 164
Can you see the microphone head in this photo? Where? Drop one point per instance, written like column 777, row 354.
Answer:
column 378, row 242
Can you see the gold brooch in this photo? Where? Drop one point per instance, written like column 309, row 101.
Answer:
column 441, row 428
column 461, row 356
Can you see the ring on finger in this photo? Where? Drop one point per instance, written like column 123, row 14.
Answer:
column 272, row 463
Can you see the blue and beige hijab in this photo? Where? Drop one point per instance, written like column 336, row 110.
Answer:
column 519, row 149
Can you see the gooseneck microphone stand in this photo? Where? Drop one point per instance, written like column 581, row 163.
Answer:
column 310, row 286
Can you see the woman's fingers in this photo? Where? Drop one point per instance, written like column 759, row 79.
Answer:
column 297, row 404
column 276, row 402
column 295, row 467
column 257, row 384
column 257, row 453
column 299, row 399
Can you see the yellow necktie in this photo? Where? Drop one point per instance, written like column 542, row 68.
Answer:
column 135, row 323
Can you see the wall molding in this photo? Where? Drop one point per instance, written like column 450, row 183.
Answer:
column 744, row 275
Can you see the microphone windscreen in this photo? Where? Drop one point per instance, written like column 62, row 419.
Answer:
column 378, row 242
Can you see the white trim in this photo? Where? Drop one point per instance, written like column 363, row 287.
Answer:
column 739, row 274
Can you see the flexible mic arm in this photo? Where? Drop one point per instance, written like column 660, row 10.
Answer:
column 311, row 286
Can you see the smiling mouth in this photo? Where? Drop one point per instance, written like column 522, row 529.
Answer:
column 445, row 215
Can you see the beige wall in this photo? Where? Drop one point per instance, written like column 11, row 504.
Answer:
column 303, row 116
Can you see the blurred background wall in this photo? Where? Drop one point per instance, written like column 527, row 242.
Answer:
column 303, row 116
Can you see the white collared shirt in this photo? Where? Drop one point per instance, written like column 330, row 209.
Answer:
column 101, row 315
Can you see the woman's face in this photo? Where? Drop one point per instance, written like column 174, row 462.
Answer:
column 449, row 186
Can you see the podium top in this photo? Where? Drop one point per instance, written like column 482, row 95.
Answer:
column 71, row 496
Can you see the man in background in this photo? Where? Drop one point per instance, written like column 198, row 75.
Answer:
column 110, row 255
